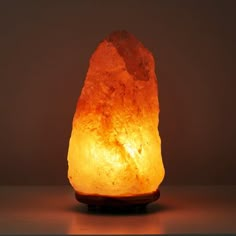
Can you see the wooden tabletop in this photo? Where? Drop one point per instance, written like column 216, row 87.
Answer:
column 180, row 209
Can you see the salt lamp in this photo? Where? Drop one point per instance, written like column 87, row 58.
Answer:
column 114, row 155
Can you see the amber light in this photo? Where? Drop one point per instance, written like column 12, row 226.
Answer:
column 115, row 147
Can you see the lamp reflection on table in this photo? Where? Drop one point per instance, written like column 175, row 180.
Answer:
column 115, row 222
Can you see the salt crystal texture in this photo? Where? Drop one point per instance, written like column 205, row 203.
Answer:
column 115, row 147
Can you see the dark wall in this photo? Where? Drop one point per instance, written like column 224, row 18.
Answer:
column 44, row 52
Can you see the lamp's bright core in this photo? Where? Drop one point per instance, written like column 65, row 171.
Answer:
column 115, row 147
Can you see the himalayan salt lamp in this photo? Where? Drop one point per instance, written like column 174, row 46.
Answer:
column 114, row 155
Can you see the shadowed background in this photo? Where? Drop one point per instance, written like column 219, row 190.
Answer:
column 45, row 48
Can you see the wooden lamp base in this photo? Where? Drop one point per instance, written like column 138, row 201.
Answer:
column 95, row 202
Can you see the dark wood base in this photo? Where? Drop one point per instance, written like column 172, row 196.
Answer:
column 96, row 202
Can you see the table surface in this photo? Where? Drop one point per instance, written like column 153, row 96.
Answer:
column 54, row 210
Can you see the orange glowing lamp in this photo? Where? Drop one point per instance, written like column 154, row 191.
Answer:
column 114, row 155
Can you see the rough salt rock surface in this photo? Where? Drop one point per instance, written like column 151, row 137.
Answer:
column 115, row 147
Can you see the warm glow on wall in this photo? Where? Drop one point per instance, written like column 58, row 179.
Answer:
column 115, row 147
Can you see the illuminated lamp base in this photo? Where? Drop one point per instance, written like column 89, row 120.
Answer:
column 99, row 202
